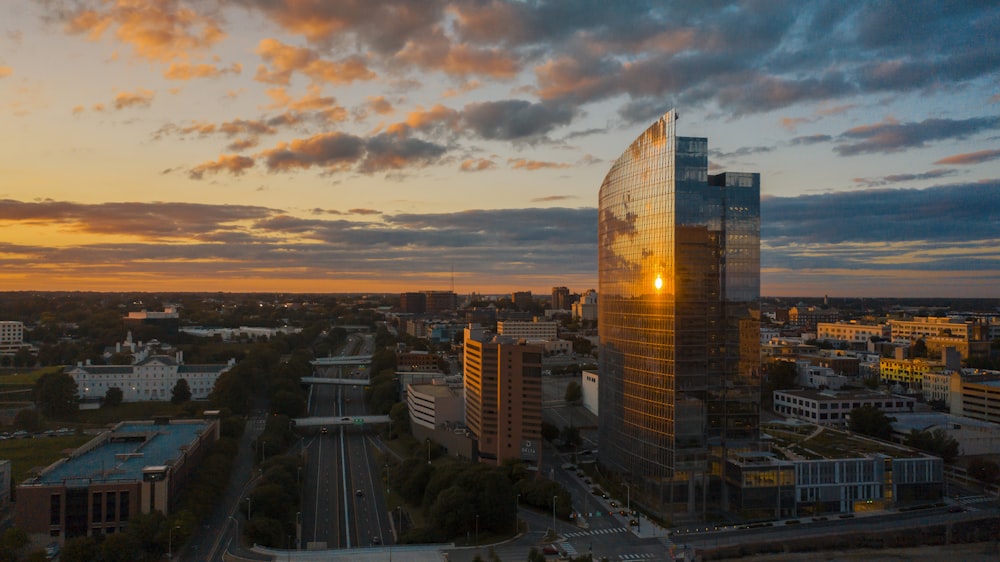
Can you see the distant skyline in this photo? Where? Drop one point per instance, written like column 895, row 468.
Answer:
column 359, row 146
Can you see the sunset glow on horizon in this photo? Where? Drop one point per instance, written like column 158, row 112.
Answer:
column 361, row 146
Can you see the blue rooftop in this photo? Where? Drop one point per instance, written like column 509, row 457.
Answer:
column 126, row 450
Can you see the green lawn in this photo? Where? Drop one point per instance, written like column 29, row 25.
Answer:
column 25, row 454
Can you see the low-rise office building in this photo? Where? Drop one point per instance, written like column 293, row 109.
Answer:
column 137, row 467
column 831, row 407
column 810, row 471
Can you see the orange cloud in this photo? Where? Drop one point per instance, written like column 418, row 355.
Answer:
column 477, row 165
column 232, row 163
column 436, row 51
column 285, row 60
column 158, row 30
column 971, row 158
column 6, row 71
column 420, row 119
column 186, row 71
column 792, row 123
column 139, row 98
column 463, row 89
column 532, row 165
column 380, row 105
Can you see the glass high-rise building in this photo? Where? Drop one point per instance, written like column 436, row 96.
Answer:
column 678, row 317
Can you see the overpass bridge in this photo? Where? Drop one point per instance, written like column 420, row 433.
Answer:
column 317, row 421
column 325, row 366
column 332, row 380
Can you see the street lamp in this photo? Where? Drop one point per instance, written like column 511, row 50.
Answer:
column 249, row 507
column 170, row 542
column 554, row 513
column 477, row 529
column 517, row 503
column 628, row 499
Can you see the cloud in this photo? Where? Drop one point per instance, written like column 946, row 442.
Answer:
column 6, row 71
column 154, row 221
column 283, row 61
column 900, row 178
column 515, row 120
column 139, row 98
column 389, row 152
column 970, row 158
column 477, row 165
column 740, row 152
column 532, row 165
column 810, row 139
column 333, row 151
column 187, row 71
column 232, row 163
column 550, row 198
column 160, row 30
column 892, row 136
column 435, row 51
column 950, row 213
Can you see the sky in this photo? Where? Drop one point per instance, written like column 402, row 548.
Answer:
column 364, row 146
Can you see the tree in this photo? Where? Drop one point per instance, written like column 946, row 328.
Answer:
column 181, row 392
column 113, row 397
column 56, row 395
column 549, row 431
column 984, row 470
column 571, row 435
column 574, row 393
column 869, row 420
column 27, row 420
column 936, row 442
column 919, row 348
column 12, row 542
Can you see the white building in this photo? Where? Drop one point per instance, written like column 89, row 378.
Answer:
column 11, row 336
column 974, row 437
column 590, row 393
column 829, row 407
column 434, row 405
column 537, row 330
column 151, row 379
column 850, row 332
column 811, row 376
column 586, row 307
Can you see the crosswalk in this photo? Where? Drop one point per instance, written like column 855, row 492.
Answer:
column 641, row 556
column 966, row 500
column 595, row 532
column 568, row 549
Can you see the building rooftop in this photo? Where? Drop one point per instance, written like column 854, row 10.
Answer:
column 436, row 390
column 923, row 421
column 813, row 442
column 848, row 394
column 122, row 453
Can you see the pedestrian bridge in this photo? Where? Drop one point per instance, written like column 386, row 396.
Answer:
column 331, row 380
column 342, row 360
column 339, row 420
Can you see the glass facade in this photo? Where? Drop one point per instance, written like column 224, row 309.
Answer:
column 679, row 274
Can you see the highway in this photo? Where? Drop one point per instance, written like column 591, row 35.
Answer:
column 342, row 500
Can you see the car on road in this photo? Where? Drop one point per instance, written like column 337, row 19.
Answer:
column 613, row 503
column 359, row 493
column 345, row 418
column 955, row 509
column 324, row 430
column 376, row 540
column 633, row 523
column 550, row 549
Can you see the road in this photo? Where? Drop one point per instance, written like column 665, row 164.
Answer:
column 343, row 506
